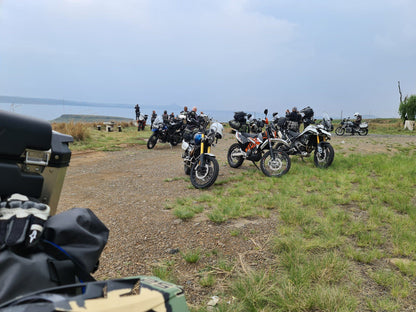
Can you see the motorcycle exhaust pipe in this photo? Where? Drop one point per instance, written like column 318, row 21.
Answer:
column 241, row 153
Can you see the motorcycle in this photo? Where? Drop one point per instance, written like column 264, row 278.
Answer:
column 258, row 147
column 47, row 258
column 347, row 126
column 314, row 138
column 199, row 162
column 239, row 123
column 170, row 133
column 141, row 122
column 255, row 125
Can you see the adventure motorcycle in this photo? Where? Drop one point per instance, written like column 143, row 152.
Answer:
column 255, row 125
column 199, row 162
column 314, row 138
column 258, row 147
column 347, row 126
column 141, row 122
column 170, row 133
column 47, row 258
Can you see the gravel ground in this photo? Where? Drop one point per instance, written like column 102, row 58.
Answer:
column 129, row 189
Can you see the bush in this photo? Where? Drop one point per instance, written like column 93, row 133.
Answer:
column 408, row 108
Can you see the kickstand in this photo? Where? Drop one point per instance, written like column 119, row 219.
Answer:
column 255, row 164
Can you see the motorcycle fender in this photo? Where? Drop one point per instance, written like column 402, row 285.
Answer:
column 209, row 155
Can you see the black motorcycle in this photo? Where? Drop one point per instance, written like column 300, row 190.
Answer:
column 166, row 133
column 347, row 126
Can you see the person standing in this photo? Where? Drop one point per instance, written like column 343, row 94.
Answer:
column 165, row 117
column 294, row 119
column 137, row 110
column 152, row 119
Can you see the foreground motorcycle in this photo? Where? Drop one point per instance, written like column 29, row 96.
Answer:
column 170, row 133
column 47, row 258
column 347, row 126
column 258, row 147
column 199, row 162
column 314, row 138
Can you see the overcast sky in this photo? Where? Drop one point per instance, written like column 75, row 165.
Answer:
column 333, row 55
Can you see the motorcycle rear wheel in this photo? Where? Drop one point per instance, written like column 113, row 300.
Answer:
column 326, row 157
column 203, row 177
column 234, row 161
column 363, row 131
column 277, row 167
column 152, row 141
column 339, row 131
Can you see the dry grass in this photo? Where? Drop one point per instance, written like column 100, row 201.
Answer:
column 79, row 131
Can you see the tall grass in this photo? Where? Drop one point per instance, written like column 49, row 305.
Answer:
column 79, row 131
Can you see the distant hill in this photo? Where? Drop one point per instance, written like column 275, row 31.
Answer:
column 88, row 118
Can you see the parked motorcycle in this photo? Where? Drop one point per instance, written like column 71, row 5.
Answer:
column 239, row 123
column 170, row 133
column 258, row 147
column 347, row 126
column 255, row 124
column 141, row 122
column 314, row 138
column 199, row 162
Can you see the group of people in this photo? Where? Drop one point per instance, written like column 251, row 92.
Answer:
column 191, row 118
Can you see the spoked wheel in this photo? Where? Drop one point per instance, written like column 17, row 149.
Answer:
column 324, row 155
column 276, row 167
column 363, row 131
column 233, row 160
column 204, row 176
column 152, row 141
column 339, row 131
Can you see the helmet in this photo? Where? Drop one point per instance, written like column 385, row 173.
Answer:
column 356, row 114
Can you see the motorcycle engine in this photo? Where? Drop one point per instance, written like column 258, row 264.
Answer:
column 300, row 146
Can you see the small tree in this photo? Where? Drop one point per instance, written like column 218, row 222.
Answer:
column 408, row 108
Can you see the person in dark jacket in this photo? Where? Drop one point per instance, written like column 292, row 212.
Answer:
column 137, row 110
column 152, row 118
column 165, row 117
column 294, row 119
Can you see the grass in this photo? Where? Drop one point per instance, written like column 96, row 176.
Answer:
column 191, row 256
column 87, row 137
column 338, row 231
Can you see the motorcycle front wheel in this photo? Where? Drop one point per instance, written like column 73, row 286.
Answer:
column 325, row 157
column 339, row 131
column 204, row 176
column 363, row 131
column 234, row 161
column 276, row 167
column 152, row 141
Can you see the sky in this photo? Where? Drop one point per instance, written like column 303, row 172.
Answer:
column 335, row 56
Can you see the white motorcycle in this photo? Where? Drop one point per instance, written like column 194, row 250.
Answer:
column 314, row 138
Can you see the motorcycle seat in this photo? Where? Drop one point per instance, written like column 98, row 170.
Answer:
column 249, row 135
